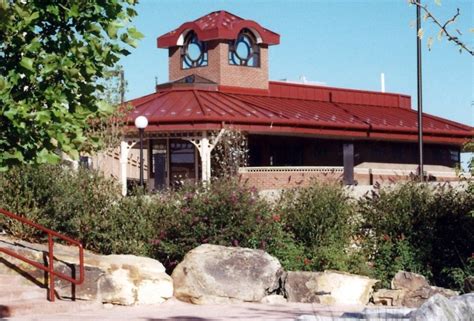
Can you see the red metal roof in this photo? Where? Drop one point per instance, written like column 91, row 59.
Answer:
column 325, row 115
column 218, row 25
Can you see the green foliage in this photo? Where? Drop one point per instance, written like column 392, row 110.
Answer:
column 321, row 218
column 422, row 229
column 81, row 204
column 409, row 227
column 223, row 213
column 51, row 58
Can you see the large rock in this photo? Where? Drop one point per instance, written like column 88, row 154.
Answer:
column 218, row 274
column 389, row 297
column 408, row 281
column 117, row 279
column 440, row 308
column 409, row 290
column 328, row 287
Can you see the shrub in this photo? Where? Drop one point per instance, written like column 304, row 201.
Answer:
column 322, row 219
column 418, row 228
column 222, row 213
column 82, row 204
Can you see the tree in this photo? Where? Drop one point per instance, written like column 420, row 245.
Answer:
column 52, row 56
column 444, row 30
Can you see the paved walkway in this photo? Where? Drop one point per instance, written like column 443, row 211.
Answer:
column 174, row 310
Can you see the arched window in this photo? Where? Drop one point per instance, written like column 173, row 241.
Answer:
column 244, row 51
column 193, row 52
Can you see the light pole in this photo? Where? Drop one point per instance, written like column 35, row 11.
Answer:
column 141, row 122
column 419, row 92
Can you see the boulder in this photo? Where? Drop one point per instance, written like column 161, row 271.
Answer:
column 218, row 274
column 328, row 287
column 410, row 290
column 389, row 297
column 408, row 281
column 440, row 308
column 117, row 279
column 274, row 299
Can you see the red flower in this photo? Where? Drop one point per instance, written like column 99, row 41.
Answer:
column 276, row 217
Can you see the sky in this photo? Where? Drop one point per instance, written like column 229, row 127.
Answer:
column 341, row 43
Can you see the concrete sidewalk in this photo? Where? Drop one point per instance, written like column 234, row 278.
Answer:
column 174, row 310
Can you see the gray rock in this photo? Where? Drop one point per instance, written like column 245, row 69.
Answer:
column 410, row 290
column 368, row 314
column 440, row 308
column 274, row 299
column 408, row 281
column 218, row 274
column 389, row 297
column 328, row 287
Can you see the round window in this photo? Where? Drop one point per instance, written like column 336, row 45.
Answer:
column 194, row 53
column 244, row 51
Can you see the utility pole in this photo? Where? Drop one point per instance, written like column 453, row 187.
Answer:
column 122, row 87
column 419, row 89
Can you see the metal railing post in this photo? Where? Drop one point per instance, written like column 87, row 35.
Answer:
column 51, row 267
column 47, row 268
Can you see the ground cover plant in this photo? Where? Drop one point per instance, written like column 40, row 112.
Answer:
column 408, row 227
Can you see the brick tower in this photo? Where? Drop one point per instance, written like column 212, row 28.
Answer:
column 220, row 47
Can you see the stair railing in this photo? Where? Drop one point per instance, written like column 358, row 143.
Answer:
column 49, row 269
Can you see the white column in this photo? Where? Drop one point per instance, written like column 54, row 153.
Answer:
column 124, row 149
column 205, row 145
column 205, row 152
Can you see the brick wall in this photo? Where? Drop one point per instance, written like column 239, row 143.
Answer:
column 219, row 70
column 264, row 180
column 268, row 178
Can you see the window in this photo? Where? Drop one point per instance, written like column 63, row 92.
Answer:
column 193, row 52
column 244, row 51
column 454, row 155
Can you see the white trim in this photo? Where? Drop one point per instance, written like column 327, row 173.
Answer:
column 125, row 147
column 286, row 169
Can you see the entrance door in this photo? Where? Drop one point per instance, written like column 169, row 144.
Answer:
column 159, row 160
column 182, row 162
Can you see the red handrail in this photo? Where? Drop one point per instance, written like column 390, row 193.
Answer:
column 50, row 268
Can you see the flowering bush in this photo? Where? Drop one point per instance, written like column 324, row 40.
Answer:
column 321, row 218
column 223, row 213
column 421, row 229
column 411, row 227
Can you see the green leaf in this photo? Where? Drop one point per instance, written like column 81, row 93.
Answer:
column 46, row 156
column 15, row 155
column 105, row 107
column 112, row 31
column 74, row 154
column 10, row 113
column 49, row 68
column 27, row 63
column 134, row 33
column 129, row 41
column 43, row 116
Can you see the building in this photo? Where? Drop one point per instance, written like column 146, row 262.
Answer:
column 218, row 79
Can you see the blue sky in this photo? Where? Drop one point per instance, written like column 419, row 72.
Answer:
column 342, row 43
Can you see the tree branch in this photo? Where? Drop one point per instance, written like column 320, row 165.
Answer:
column 443, row 26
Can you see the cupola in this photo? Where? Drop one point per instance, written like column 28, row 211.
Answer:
column 222, row 48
